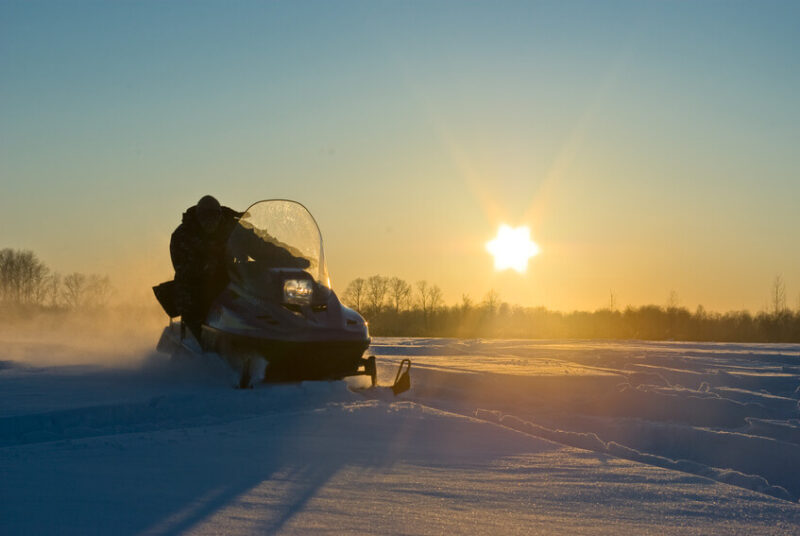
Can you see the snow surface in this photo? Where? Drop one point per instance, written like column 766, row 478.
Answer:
column 504, row 437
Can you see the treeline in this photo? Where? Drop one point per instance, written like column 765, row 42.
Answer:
column 393, row 307
column 27, row 282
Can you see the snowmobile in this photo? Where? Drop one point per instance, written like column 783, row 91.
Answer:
column 278, row 320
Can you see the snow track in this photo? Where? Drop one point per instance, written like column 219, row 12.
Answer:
column 507, row 437
column 727, row 412
column 160, row 396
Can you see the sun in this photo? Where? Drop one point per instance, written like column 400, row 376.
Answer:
column 512, row 248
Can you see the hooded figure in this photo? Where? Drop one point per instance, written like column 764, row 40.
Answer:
column 197, row 248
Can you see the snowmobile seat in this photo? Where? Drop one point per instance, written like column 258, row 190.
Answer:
column 165, row 294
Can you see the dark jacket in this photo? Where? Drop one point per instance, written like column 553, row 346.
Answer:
column 199, row 261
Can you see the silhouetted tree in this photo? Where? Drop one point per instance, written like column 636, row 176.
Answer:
column 354, row 294
column 778, row 296
column 435, row 298
column 493, row 318
column 491, row 301
column 74, row 290
column 672, row 300
column 466, row 303
column 423, row 296
column 376, row 288
column 54, row 289
column 429, row 299
column 98, row 291
column 23, row 277
column 399, row 293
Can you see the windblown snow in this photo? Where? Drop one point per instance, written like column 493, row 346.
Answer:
column 502, row 437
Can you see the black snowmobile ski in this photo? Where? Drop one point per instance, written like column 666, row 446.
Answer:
column 402, row 383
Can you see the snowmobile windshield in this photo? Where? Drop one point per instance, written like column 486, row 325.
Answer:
column 276, row 234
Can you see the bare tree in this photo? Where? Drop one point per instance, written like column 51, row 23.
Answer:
column 399, row 293
column 466, row 303
column 436, row 298
column 8, row 275
column 778, row 296
column 672, row 300
column 53, row 289
column 98, row 291
column 430, row 298
column 22, row 277
column 355, row 294
column 491, row 301
column 423, row 292
column 32, row 274
column 74, row 290
column 376, row 288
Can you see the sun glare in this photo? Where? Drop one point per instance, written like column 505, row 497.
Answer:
column 512, row 248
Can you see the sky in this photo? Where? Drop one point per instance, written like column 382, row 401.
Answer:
column 650, row 147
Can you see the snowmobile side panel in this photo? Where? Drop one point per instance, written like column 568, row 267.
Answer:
column 292, row 360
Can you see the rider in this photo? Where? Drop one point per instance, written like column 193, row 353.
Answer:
column 197, row 248
column 198, row 254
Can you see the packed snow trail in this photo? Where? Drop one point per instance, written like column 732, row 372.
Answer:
column 725, row 411
column 166, row 448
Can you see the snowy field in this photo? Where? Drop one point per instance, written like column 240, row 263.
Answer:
column 501, row 437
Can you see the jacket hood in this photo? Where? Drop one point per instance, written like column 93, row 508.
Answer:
column 190, row 216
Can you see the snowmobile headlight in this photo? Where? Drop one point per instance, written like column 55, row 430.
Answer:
column 297, row 291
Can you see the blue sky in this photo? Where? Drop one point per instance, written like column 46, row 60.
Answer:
column 649, row 145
